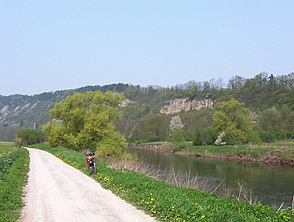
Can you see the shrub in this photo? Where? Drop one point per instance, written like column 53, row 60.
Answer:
column 208, row 136
column 29, row 136
column 197, row 140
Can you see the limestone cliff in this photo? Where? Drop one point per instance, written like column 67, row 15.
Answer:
column 177, row 105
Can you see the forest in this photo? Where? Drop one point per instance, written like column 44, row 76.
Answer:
column 252, row 110
column 264, row 105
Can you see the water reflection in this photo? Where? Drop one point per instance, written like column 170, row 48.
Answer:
column 270, row 184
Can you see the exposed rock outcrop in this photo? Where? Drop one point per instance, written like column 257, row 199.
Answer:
column 125, row 103
column 178, row 105
column 4, row 112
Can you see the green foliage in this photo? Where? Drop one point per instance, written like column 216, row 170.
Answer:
column 8, row 154
column 233, row 118
column 208, row 136
column 192, row 92
column 270, row 119
column 54, row 133
column 29, row 136
column 86, row 120
column 266, row 136
column 196, row 120
column 177, row 136
column 271, row 125
column 151, row 128
column 170, row 203
column 259, row 93
column 196, row 140
column 11, row 187
column 176, row 132
column 112, row 145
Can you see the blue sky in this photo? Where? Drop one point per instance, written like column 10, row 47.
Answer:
column 54, row 45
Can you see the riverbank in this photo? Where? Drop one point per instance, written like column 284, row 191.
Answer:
column 269, row 153
column 167, row 202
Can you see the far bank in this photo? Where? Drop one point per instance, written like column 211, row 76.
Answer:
column 281, row 152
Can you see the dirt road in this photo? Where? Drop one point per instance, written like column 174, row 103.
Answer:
column 58, row 192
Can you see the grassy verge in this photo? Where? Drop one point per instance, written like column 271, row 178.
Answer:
column 8, row 153
column 167, row 202
column 11, row 187
column 280, row 152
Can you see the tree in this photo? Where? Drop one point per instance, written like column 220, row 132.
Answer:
column 86, row 120
column 270, row 122
column 151, row 129
column 236, row 82
column 29, row 136
column 176, row 123
column 270, row 119
column 176, row 130
column 192, row 92
column 196, row 122
column 233, row 118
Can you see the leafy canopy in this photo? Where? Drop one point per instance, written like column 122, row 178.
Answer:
column 234, row 119
column 29, row 136
column 86, row 120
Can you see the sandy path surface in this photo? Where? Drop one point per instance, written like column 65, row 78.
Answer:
column 58, row 192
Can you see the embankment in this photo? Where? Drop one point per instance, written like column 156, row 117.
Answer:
column 267, row 159
column 275, row 153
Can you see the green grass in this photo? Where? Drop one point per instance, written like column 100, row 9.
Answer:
column 11, row 187
column 6, row 148
column 280, row 150
column 8, row 153
column 167, row 202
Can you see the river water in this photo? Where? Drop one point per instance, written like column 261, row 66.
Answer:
column 269, row 184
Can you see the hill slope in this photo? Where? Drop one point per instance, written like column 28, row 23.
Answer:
column 259, row 93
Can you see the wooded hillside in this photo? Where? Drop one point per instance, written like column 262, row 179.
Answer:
column 269, row 98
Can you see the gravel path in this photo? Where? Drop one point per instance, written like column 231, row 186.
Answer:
column 58, row 192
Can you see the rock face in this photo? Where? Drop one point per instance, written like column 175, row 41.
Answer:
column 4, row 112
column 177, row 105
column 125, row 103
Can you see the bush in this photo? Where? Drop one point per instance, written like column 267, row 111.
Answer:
column 29, row 136
column 280, row 134
column 208, row 136
column 271, row 136
column 177, row 136
column 197, row 140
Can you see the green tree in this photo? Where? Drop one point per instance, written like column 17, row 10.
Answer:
column 29, row 136
column 208, row 136
column 86, row 120
column 287, row 120
column 151, row 128
column 176, row 131
column 233, row 118
column 270, row 119
column 271, row 125
column 192, row 92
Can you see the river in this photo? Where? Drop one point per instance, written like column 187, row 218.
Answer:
column 269, row 184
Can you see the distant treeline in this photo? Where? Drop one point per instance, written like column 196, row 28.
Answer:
column 270, row 99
